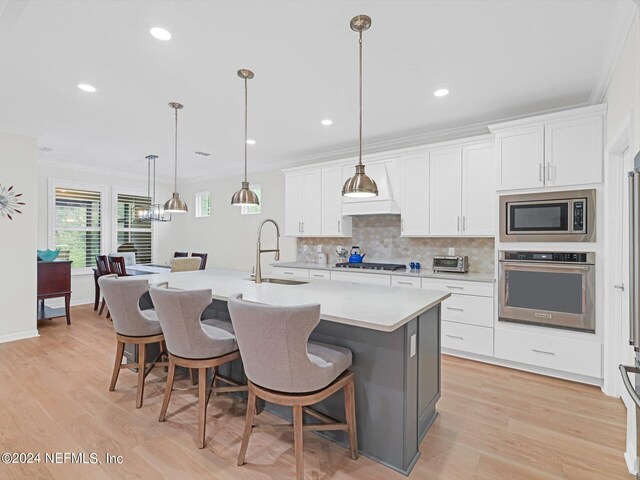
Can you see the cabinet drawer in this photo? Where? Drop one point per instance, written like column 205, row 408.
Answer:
column 459, row 286
column 400, row 281
column 370, row 278
column 292, row 272
column 467, row 338
column 558, row 353
column 468, row 309
column 323, row 274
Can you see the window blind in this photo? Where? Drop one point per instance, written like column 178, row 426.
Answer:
column 131, row 234
column 77, row 225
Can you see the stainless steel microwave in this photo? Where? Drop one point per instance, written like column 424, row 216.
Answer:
column 548, row 217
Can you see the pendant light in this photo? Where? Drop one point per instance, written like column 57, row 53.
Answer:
column 155, row 211
column 360, row 185
column 174, row 204
column 244, row 196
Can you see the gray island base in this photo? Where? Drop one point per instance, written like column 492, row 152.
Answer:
column 397, row 386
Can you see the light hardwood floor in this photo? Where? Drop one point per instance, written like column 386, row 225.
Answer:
column 494, row 423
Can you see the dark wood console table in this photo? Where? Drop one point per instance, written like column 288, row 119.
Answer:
column 54, row 280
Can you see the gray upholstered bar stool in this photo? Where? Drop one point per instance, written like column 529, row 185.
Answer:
column 284, row 368
column 195, row 345
column 132, row 325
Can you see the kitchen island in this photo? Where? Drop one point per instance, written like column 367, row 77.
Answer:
column 394, row 334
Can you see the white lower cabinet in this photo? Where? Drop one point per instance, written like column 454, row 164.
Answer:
column 357, row 277
column 555, row 352
column 468, row 309
column 467, row 338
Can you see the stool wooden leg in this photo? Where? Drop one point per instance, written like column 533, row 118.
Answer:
column 192, row 374
column 102, row 305
column 298, row 442
column 350, row 415
column 202, row 405
column 167, row 390
column 142, row 355
column 248, row 425
column 165, row 354
column 116, row 366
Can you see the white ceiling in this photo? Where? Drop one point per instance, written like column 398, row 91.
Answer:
column 499, row 59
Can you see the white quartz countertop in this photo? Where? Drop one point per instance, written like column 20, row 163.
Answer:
column 374, row 307
column 422, row 273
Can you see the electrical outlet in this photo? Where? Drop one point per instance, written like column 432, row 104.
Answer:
column 319, row 248
column 305, row 248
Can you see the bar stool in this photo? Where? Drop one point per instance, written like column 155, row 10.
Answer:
column 284, row 368
column 187, row 264
column 133, row 326
column 192, row 344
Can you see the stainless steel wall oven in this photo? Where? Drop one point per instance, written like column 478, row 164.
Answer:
column 552, row 289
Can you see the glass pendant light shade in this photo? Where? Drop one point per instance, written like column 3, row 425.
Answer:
column 174, row 204
column 245, row 196
column 360, row 185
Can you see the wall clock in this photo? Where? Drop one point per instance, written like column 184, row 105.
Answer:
column 10, row 202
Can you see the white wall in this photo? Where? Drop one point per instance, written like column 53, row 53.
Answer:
column 18, row 287
column 227, row 236
column 82, row 284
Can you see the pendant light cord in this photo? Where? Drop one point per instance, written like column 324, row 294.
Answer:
column 175, row 184
column 153, row 199
column 246, row 107
column 360, row 80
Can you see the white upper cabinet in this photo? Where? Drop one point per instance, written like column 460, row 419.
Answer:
column 554, row 150
column 445, row 192
column 520, row 158
column 573, row 151
column 312, row 202
column 293, row 204
column 333, row 223
column 478, row 190
column 414, row 177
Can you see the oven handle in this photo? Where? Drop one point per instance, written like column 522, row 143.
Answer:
column 563, row 266
column 624, row 371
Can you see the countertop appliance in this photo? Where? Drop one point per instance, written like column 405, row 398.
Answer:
column 373, row 266
column 455, row 263
column 551, row 289
column 634, row 296
column 548, row 217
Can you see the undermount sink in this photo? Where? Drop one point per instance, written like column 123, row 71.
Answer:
column 281, row 281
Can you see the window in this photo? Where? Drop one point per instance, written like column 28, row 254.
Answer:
column 132, row 235
column 203, row 204
column 253, row 209
column 77, row 225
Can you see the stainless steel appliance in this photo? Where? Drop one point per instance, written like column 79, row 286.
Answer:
column 552, row 289
column 373, row 266
column 455, row 263
column 548, row 217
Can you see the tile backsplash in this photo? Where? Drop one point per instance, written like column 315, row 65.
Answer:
column 379, row 237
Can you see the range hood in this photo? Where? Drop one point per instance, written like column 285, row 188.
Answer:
column 386, row 174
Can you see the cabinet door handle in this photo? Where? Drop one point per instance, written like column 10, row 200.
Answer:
column 288, row 273
column 464, row 223
column 402, row 224
column 457, row 337
column 455, row 308
column 338, row 226
column 454, row 286
column 302, row 223
column 318, row 275
column 458, row 223
column 543, row 352
column 540, row 176
column 404, row 283
column 299, row 227
column 619, row 286
column 549, row 171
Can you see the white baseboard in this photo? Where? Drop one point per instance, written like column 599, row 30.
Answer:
column 18, row 336
column 59, row 302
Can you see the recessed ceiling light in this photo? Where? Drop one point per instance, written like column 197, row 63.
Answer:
column 86, row 87
column 251, row 142
column 45, row 149
column 441, row 92
column 326, row 122
column 204, row 154
column 160, row 33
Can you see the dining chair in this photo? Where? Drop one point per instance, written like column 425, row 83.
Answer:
column 102, row 268
column 117, row 265
column 188, row 264
column 283, row 367
column 194, row 345
column 203, row 256
column 180, row 254
column 133, row 326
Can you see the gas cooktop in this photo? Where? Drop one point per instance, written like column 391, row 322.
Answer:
column 373, row 266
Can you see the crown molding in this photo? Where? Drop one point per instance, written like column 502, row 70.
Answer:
column 626, row 16
column 550, row 116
